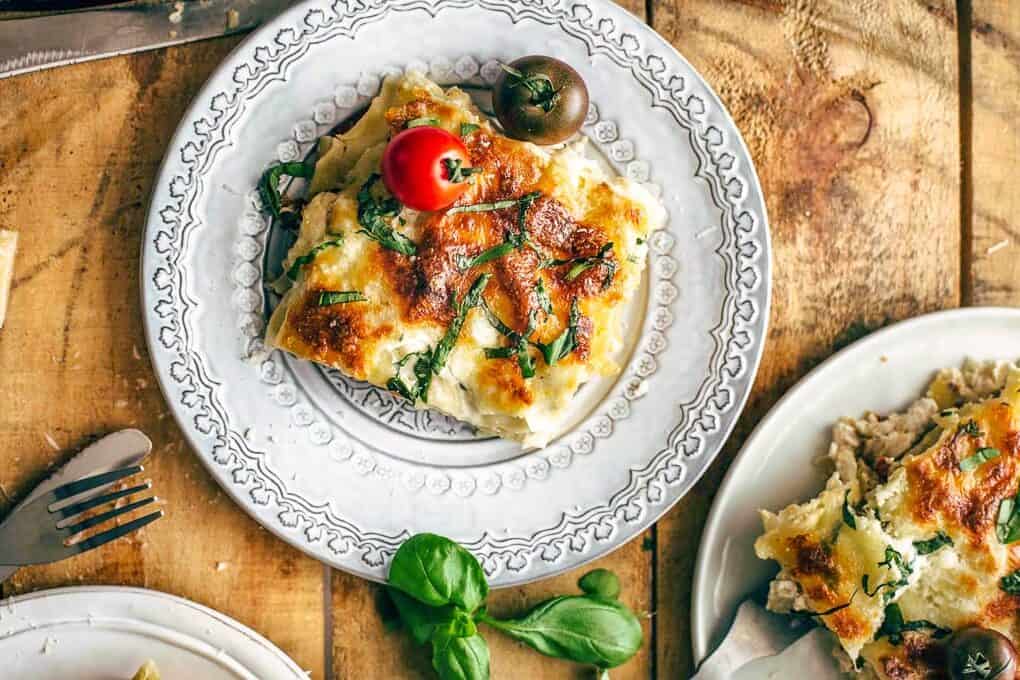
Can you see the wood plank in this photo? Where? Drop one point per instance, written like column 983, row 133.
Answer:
column 79, row 149
column 995, row 153
column 850, row 111
column 364, row 648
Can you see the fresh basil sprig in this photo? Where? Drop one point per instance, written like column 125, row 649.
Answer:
column 269, row 184
column 439, row 591
column 374, row 215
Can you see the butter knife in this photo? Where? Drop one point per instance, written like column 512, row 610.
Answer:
column 117, row 450
column 39, row 42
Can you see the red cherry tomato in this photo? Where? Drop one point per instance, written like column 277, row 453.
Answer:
column 416, row 167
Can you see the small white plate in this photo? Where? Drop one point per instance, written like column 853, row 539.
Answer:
column 780, row 465
column 106, row 633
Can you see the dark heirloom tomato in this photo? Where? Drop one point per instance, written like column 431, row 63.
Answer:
column 540, row 99
column 977, row 653
column 426, row 168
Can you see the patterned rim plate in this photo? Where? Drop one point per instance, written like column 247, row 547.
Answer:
column 340, row 469
column 103, row 632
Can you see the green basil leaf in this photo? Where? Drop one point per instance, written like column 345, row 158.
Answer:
column 471, row 300
column 421, row 372
column 269, row 184
column 467, row 128
column 487, row 255
column 894, row 626
column 500, row 352
column 339, row 297
column 1007, row 523
column 543, row 296
column 601, row 583
column 420, row 619
column 971, row 428
column 496, row 205
column 524, row 360
column 982, row 456
column 1011, row 583
column 565, row 342
column 848, row 514
column 932, row 544
column 424, row 121
column 460, row 658
column 582, row 628
column 438, row 572
column 374, row 216
column 309, row 257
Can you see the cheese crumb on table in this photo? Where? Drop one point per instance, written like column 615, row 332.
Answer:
column 8, row 246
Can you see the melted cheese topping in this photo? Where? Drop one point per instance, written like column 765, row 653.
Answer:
column 409, row 298
column 931, row 489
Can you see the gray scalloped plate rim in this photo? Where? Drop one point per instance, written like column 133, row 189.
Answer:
column 698, row 466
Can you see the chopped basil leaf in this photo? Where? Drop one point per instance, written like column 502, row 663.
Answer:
column 566, row 342
column 499, row 352
column 932, row 544
column 1011, row 583
column 848, row 513
column 948, row 412
column 527, row 199
column 467, row 128
column 982, row 456
column 493, row 253
column 424, row 121
column 583, row 264
column 374, row 216
column 539, row 85
column 1007, row 524
column 420, row 370
column 894, row 626
column 337, row 297
column 893, row 558
column 971, row 428
column 309, row 257
column 543, row 296
column 269, row 185
column 445, row 346
column 455, row 172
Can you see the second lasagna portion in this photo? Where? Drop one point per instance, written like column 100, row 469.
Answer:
column 917, row 533
column 494, row 310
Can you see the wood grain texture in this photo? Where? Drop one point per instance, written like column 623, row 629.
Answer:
column 79, row 149
column 365, row 648
column 995, row 153
column 850, row 111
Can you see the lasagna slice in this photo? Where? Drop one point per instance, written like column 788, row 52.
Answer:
column 917, row 534
column 495, row 310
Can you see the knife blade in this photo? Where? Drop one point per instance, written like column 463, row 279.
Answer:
column 812, row 656
column 39, row 42
column 120, row 449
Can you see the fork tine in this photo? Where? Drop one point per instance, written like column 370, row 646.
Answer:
column 115, row 533
column 78, row 508
column 99, row 519
column 89, row 483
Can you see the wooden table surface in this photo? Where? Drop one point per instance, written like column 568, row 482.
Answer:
column 885, row 133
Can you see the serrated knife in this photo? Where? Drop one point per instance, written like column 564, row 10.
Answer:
column 38, row 42
column 117, row 450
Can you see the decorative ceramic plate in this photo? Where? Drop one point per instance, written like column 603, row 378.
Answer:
column 103, row 633
column 780, row 465
column 345, row 471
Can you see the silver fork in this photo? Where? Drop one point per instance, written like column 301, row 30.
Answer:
column 41, row 531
